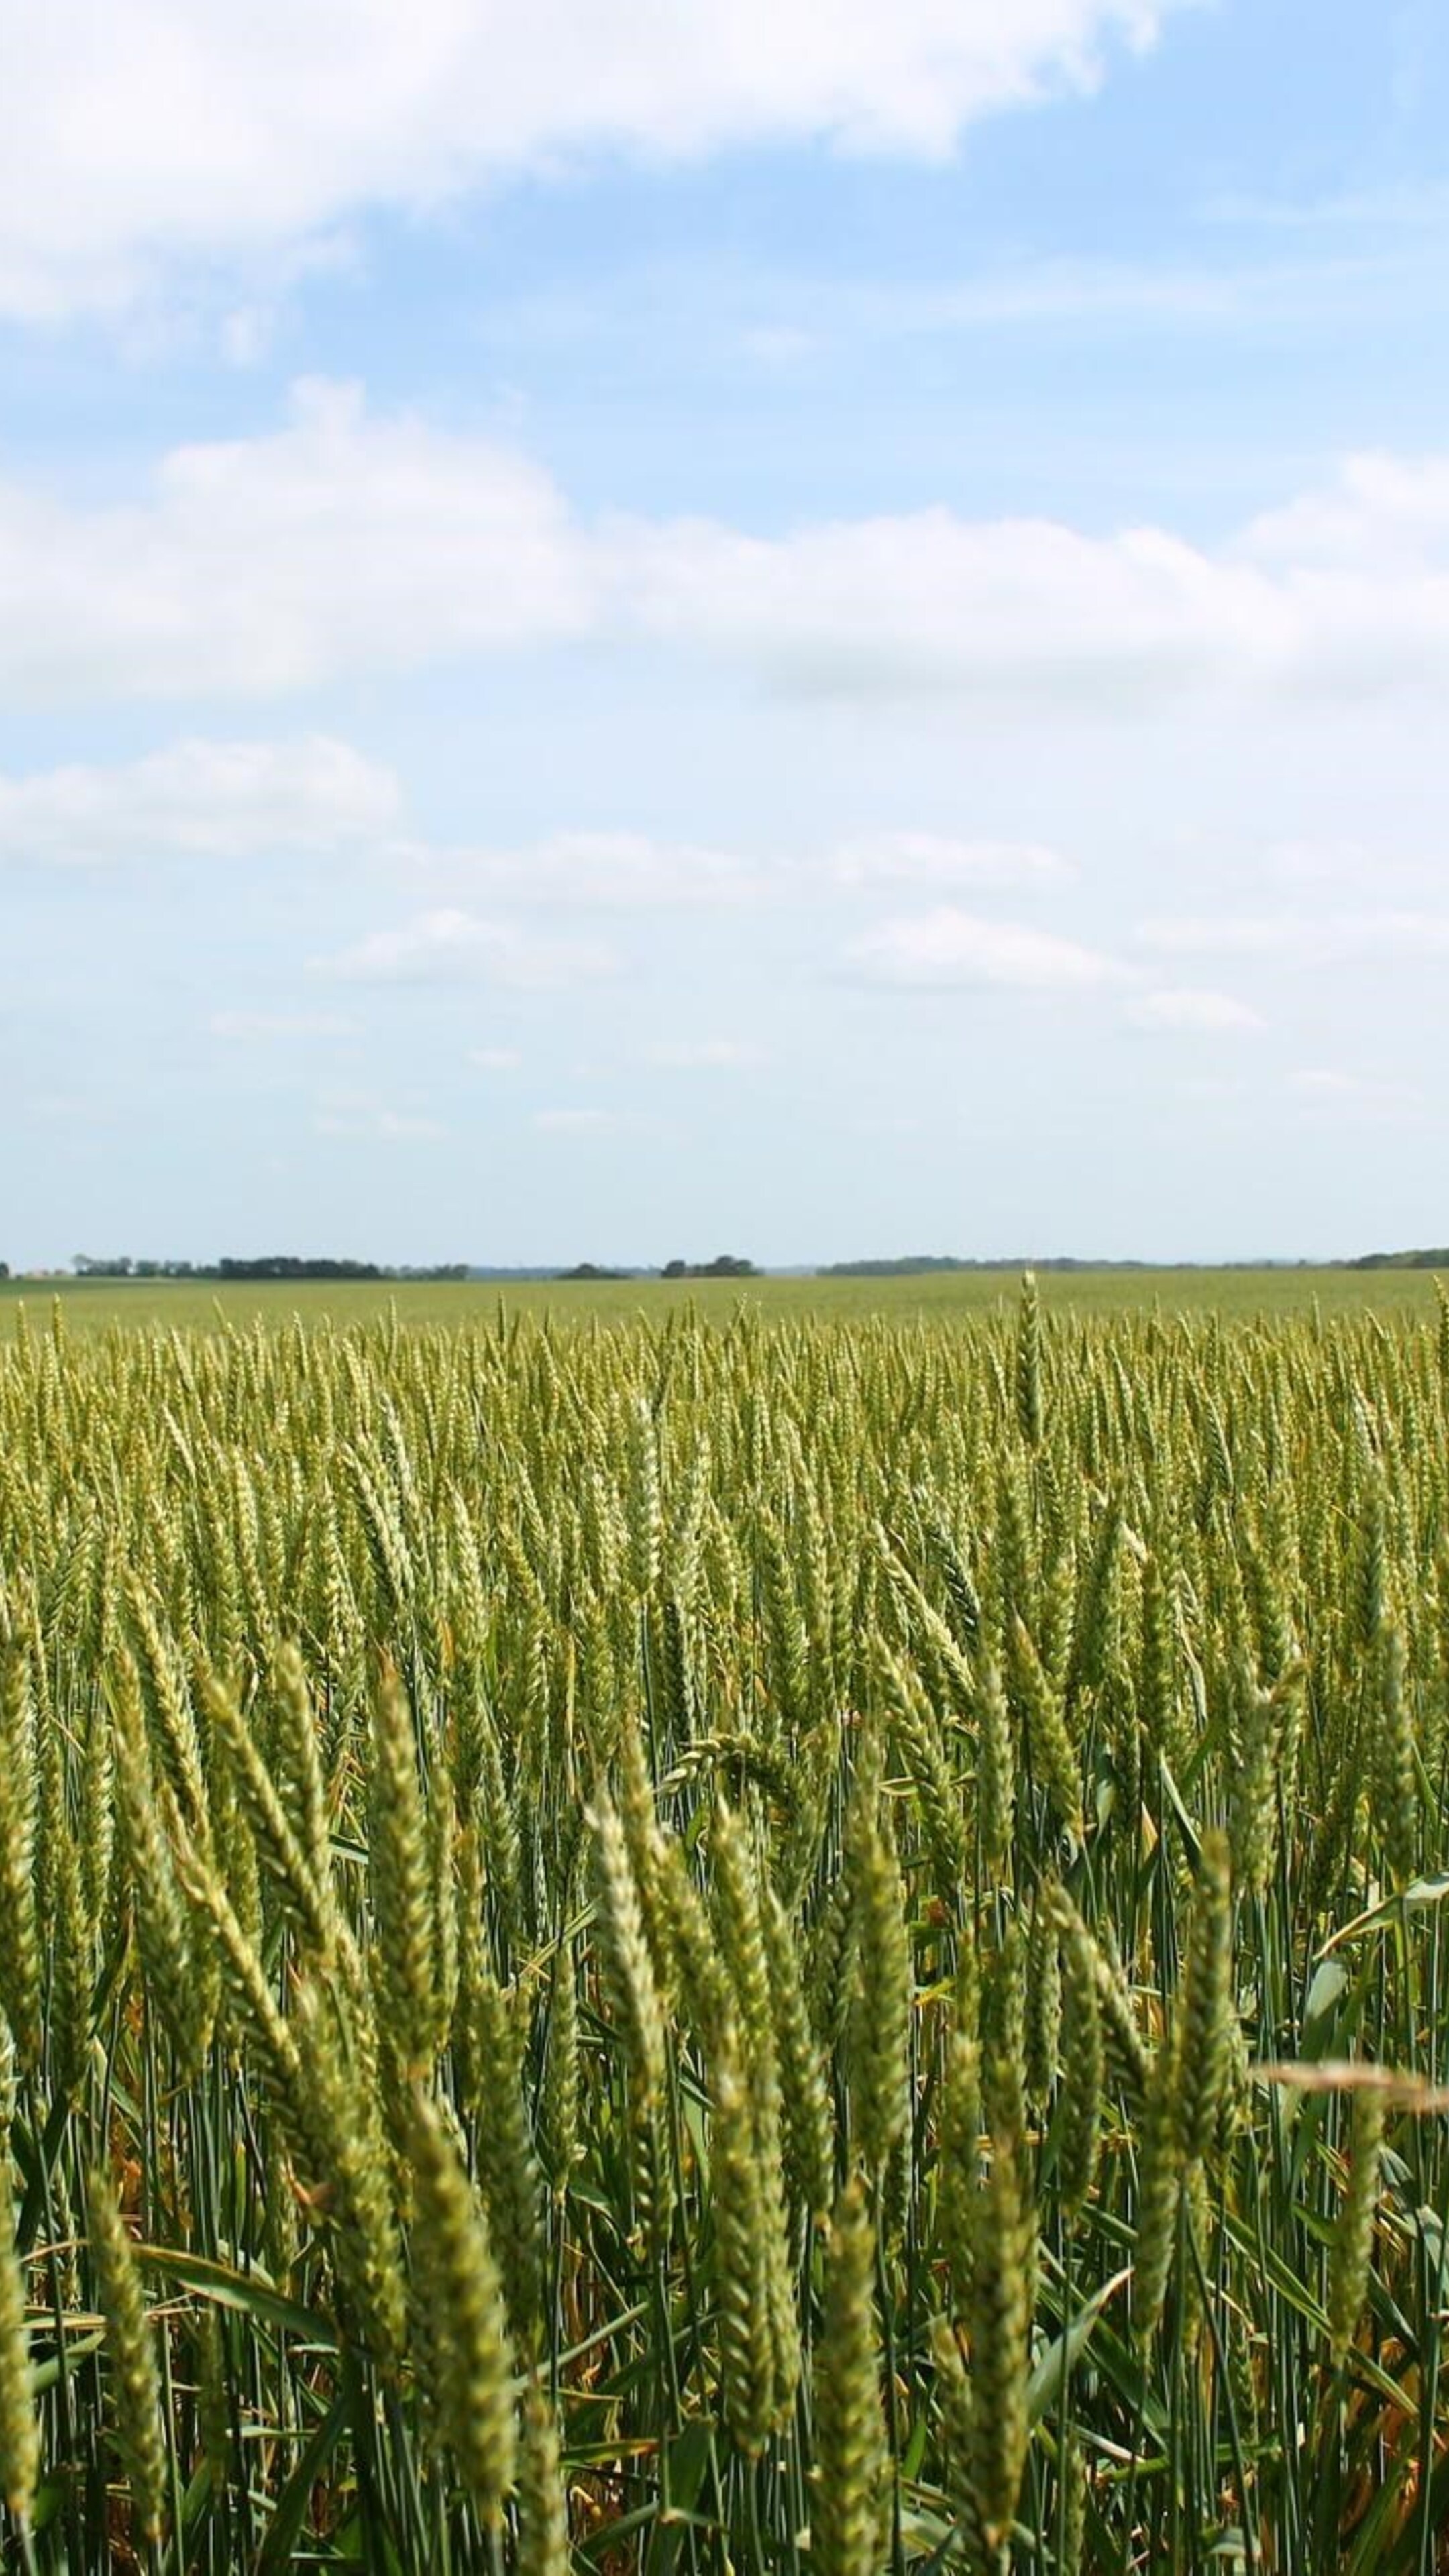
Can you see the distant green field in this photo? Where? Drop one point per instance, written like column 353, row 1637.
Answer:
column 942, row 1296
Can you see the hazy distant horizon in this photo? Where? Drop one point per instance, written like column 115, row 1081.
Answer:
column 1009, row 1265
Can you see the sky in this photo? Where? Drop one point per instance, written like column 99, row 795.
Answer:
column 812, row 629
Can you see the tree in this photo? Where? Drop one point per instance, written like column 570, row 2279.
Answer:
column 725, row 1265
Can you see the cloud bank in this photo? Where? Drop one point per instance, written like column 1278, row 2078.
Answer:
column 353, row 540
column 184, row 134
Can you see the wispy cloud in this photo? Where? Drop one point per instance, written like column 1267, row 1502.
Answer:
column 1330, row 1089
column 704, row 1055
column 953, row 949
column 936, row 859
column 1191, row 1012
column 610, row 871
column 203, row 800
column 1229, row 296
column 452, row 946
column 1402, row 207
column 374, row 1122
column 261, row 1027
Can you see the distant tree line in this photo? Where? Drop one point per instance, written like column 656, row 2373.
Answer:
column 725, row 1265
column 1438, row 1260
column 267, row 1265
column 231, row 1269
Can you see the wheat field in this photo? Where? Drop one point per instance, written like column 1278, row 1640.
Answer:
column 743, row 1941
column 944, row 1299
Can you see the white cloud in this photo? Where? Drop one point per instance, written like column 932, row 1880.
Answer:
column 351, row 1115
column 611, row 870
column 704, row 1055
column 205, row 800
column 1376, row 504
column 495, row 1059
column 932, row 602
column 619, row 870
column 190, row 134
column 1327, row 1087
column 350, row 540
column 1345, row 591
column 386, row 1126
column 949, row 948
column 318, row 796
column 1195, row 1013
column 453, row 946
column 261, row 1026
column 935, row 859
column 340, row 542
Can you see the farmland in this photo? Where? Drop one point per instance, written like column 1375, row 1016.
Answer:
column 942, row 1297
column 804, row 1934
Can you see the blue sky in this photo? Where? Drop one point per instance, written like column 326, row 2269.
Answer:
column 811, row 630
